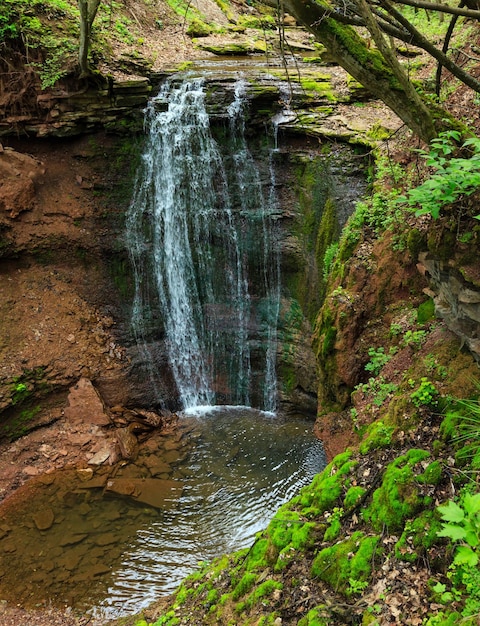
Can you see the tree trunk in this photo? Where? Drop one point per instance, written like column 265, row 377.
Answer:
column 368, row 66
column 88, row 11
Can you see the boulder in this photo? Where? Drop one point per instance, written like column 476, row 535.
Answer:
column 85, row 405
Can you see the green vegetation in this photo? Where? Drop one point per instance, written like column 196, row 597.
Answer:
column 378, row 436
column 426, row 394
column 455, row 177
column 25, row 391
column 378, row 359
column 398, row 498
column 377, row 212
column 461, row 524
column 347, row 563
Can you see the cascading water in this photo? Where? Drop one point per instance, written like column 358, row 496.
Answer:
column 201, row 223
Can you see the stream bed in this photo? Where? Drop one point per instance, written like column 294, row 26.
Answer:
column 109, row 541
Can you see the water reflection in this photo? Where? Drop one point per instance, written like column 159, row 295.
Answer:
column 75, row 540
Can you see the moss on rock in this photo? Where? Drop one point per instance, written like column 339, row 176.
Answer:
column 398, row 497
column 347, row 561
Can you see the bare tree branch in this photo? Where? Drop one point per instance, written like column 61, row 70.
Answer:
column 441, row 8
column 422, row 42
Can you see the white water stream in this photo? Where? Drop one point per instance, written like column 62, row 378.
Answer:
column 201, row 224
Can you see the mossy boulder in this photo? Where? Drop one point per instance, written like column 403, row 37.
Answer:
column 347, row 562
column 197, row 28
column 234, row 48
column 326, row 489
column 398, row 497
column 418, row 536
column 379, row 435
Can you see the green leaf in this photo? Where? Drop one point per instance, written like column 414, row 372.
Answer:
column 471, row 503
column 465, row 556
column 451, row 512
column 456, row 533
column 439, row 588
column 471, row 537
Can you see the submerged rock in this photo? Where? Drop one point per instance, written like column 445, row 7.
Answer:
column 152, row 491
column 44, row 518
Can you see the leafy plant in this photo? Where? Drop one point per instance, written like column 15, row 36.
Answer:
column 454, row 177
column 378, row 388
column 378, row 358
column 414, row 338
column 329, row 258
column 426, row 394
column 356, row 586
column 461, row 524
column 433, row 367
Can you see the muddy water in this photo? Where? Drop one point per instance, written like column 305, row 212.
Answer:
column 113, row 540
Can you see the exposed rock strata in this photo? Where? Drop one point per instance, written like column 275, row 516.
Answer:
column 456, row 296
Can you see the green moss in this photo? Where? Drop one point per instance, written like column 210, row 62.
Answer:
column 378, row 436
column 169, row 619
column 235, row 48
column 182, row 595
column 258, row 555
column 370, row 58
column 224, row 599
column 444, row 246
column 353, row 496
column 426, row 311
column 325, row 490
column 287, row 529
column 244, row 585
column 264, row 590
column 346, row 561
column 328, row 233
column 212, row 597
column 290, row 324
column 418, row 536
column 199, row 28
column 315, row 617
column 398, row 497
column 326, row 333
column 329, row 340
column 266, row 22
column 378, row 132
column 416, row 242
column 318, row 88
column 219, row 566
column 333, row 530
column 432, row 474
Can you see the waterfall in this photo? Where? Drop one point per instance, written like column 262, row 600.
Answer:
column 201, row 236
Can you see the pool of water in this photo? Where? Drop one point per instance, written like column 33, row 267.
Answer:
column 112, row 541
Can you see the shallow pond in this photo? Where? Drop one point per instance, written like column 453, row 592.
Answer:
column 112, row 541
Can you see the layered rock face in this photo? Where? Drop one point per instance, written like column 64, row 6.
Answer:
column 455, row 289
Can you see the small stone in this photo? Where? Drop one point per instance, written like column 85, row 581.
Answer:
column 84, row 508
column 85, row 474
column 31, row 471
column 98, row 569
column 44, row 519
column 72, row 540
column 100, row 457
column 106, row 539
